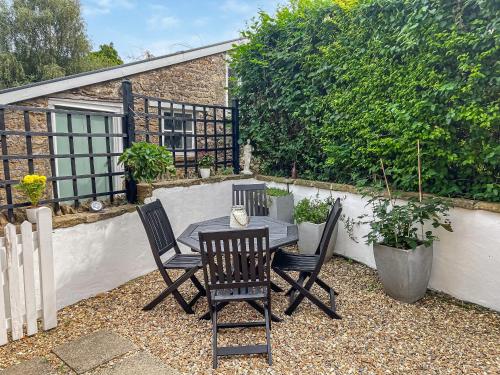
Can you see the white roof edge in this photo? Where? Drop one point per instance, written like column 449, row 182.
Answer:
column 122, row 71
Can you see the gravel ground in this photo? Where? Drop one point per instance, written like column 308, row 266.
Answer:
column 377, row 334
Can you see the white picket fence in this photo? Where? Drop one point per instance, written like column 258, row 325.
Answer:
column 27, row 284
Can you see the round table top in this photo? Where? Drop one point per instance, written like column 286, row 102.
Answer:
column 280, row 232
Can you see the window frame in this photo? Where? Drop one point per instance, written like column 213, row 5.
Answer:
column 94, row 106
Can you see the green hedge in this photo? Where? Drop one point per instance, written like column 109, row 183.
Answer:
column 337, row 88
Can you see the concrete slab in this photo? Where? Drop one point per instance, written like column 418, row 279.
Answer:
column 35, row 366
column 139, row 364
column 90, row 351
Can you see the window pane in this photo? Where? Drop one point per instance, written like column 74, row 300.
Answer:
column 81, row 146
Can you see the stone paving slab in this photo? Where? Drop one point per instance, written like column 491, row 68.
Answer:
column 35, row 366
column 141, row 363
column 95, row 349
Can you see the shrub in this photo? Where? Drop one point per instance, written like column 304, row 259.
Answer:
column 33, row 187
column 226, row 171
column 276, row 192
column 336, row 88
column 312, row 210
column 147, row 162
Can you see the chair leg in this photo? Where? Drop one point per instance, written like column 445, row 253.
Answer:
column 305, row 293
column 302, row 278
column 214, row 336
column 219, row 307
column 327, row 288
column 275, row 287
column 267, row 313
column 198, row 285
column 172, row 289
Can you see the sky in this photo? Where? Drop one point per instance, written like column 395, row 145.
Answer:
column 167, row 26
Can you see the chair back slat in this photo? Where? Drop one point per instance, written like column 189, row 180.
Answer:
column 235, row 259
column 253, row 197
column 210, row 256
column 326, row 236
column 158, row 229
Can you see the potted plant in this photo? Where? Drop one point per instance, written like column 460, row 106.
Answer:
column 280, row 202
column 147, row 162
column 205, row 163
column 402, row 237
column 310, row 216
column 33, row 187
column 402, row 248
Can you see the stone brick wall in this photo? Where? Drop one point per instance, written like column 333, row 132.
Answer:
column 197, row 81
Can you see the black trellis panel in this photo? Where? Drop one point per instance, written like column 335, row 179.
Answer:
column 29, row 144
column 72, row 157
column 52, row 160
column 52, row 178
column 196, row 138
column 108, row 158
column 91, row 152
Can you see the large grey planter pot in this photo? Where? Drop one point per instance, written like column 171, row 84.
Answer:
column 281, row 208
column 404, row 274
column 310, row 236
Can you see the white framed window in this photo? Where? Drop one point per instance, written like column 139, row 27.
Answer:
column 176, row 124
column 81, row 146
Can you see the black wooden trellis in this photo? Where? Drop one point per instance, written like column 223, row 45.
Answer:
column 30, row 156
column 209, row 126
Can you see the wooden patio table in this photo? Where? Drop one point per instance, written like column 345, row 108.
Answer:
column 280, row 234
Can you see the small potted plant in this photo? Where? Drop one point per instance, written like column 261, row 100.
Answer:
column 310, row 216
column 280, row 203
column 205, row 163
column 33, row 187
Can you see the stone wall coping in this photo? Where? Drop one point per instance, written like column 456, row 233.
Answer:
column 145, row 190
column 456, row 202
column 71, row 220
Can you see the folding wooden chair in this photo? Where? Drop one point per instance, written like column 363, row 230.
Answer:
column 253, row 197
column 162, row 239
column 309, row 267
column 236, row 267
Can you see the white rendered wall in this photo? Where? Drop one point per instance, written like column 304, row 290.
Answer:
column 466, row 262
column 93, row 258
column 97, row 257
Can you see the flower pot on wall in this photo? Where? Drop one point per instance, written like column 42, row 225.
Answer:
column 404, row 274
column 310, row 236
column 281, row 208
column 205, row 172
column 31, row 214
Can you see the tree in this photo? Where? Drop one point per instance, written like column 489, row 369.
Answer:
column 47, row 37
column 107, row 54
column 44, row 39
column 105, row 57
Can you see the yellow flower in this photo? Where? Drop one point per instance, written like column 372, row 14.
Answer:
column 34, row 179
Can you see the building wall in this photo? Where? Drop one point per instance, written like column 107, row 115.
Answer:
column 197, row 81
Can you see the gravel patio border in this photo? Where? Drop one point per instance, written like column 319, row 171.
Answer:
column 377, row 334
